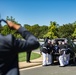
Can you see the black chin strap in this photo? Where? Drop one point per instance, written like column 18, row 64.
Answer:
column 1, row 21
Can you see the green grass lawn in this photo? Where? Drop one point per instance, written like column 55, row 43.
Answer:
column 22, row 56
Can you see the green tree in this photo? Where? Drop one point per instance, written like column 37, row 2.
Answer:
column 52, row 30
column 11, row 19
column 66, row 31
column 6, row 30
column 74, row 34
column 28, row 27
column 43, row 30
column 35, row 30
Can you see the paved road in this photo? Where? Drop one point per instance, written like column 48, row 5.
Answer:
column 50, row 70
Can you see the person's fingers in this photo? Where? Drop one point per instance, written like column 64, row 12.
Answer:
column 10, row 24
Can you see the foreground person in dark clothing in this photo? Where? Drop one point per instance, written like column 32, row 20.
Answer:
column 10, row 47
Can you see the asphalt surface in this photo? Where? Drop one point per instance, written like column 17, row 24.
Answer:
column 50, row 70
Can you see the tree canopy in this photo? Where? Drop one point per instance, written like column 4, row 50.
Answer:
column 53, row 30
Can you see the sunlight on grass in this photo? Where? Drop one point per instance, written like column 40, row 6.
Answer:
column 22, row 56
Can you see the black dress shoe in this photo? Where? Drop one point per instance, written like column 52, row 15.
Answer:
column 28, row 61
column 49, row 64
column 44, row 65
column 67, row 65
column 62, row 66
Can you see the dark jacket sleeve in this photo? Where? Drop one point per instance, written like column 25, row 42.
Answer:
column 30, row 42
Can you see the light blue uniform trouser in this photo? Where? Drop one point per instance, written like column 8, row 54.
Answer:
column 64, row 59
column 47, row 59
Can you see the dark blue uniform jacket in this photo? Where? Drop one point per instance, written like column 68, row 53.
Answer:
column 10, row 47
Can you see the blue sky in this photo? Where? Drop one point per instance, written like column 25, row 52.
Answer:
column 39, row 11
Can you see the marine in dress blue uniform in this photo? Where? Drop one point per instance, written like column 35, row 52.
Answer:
column 10, row 47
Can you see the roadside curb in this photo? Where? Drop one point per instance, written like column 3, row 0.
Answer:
column 30, row 65
column 33, row 63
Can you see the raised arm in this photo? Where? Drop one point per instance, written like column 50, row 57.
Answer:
column 30, row 42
